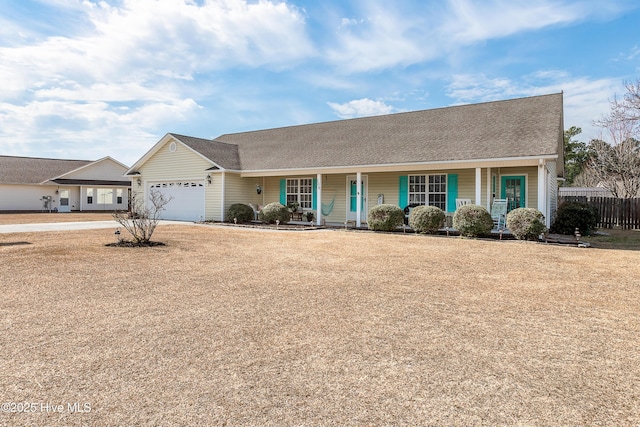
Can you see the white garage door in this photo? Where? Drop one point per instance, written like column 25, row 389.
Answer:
column 187, row 199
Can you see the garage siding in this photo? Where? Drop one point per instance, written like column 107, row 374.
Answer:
column 167, row 166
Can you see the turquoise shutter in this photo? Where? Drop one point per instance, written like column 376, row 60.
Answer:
column 403, row 191
column 283, row 192
column 452, row 191
column 314, row 203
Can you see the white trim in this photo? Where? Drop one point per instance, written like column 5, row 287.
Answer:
column 542, row 189
column 222, row 201
column 358, row 199
column 402, row 167
column 319, row 199
column 357, row 216
column 526, row 185
column 489, row 189
column 478, row 186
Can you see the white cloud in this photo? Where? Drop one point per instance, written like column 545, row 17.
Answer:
column 361, row 108
column 394, row 34
column 126, row 73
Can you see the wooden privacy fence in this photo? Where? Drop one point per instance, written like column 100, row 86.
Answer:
column 612, row 212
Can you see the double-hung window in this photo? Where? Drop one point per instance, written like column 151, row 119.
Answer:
column 300, row 190
column 428, row 190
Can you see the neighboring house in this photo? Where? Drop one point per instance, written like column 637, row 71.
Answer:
column 37, row 184
column 340, row 169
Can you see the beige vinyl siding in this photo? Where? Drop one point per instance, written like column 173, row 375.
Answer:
column 242, row 190
column 17, row 197
column 335, row 186
column 183, row 164
column 179, row 165
column 213, row 197
column 106, row 169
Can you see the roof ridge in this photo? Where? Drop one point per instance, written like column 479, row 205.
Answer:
column 46, row 158
column 389, row 115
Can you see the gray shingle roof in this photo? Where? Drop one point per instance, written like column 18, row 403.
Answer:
column 223, row 154
column 33, row 170
column 512, row 128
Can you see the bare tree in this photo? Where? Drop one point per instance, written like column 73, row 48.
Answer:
column 615, row 167
column 615, row 160
column 141, row 222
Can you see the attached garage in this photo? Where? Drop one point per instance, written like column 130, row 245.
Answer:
column 187, row 199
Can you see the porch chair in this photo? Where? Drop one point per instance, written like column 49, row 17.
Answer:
column 256, row 210
column 462, row 202
column 499, row 213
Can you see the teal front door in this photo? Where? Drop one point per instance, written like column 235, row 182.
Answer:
column 353, row 197
column 513, row 188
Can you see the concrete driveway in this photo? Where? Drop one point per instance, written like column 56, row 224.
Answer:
column 65, row 226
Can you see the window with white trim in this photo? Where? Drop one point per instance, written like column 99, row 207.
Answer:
column 428, row 190
column 300, row 190
column 89, row 196
column 105, row 196
column 119, row 196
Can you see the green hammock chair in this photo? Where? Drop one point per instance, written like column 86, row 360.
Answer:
column 327, row 208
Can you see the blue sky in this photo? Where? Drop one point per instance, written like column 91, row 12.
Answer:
column 84, row 79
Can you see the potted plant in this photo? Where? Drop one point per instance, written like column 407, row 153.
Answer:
column 293, row 206
column 309, row 215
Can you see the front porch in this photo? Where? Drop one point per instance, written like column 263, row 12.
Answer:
column 338, row 200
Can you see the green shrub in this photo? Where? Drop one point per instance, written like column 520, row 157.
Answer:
column 273, row 212
column 572, row 215
column 526, row 223
column 241, row 212
column 426, row 219
column 385, row 217
column 472, row 221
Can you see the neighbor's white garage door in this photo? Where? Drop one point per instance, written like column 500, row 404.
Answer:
column 187, row 199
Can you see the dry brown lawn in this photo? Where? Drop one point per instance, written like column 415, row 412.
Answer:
column 39, row 218
column 229, row 326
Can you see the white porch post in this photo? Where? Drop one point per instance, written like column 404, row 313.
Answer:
column 80, row 201
column 222, row 176
column 358, row 199
column 489, row 189
column 542, row 191
column 479, row 186
column 319, row 200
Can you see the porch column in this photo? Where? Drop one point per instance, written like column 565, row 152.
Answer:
column 358, row 198
column 479, row 186
column 80, row 201
column 489, row 189
column 319, row 200
column 542, row 191
column 222, row 179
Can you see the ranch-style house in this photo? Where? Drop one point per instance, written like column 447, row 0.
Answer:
column 338, row 170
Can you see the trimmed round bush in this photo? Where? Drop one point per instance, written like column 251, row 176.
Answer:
column 426, row 219
column 241, row 212
column 472, row 221
column 526, row 223
column 273, row 212
column 572, row 215
column 385, row 217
